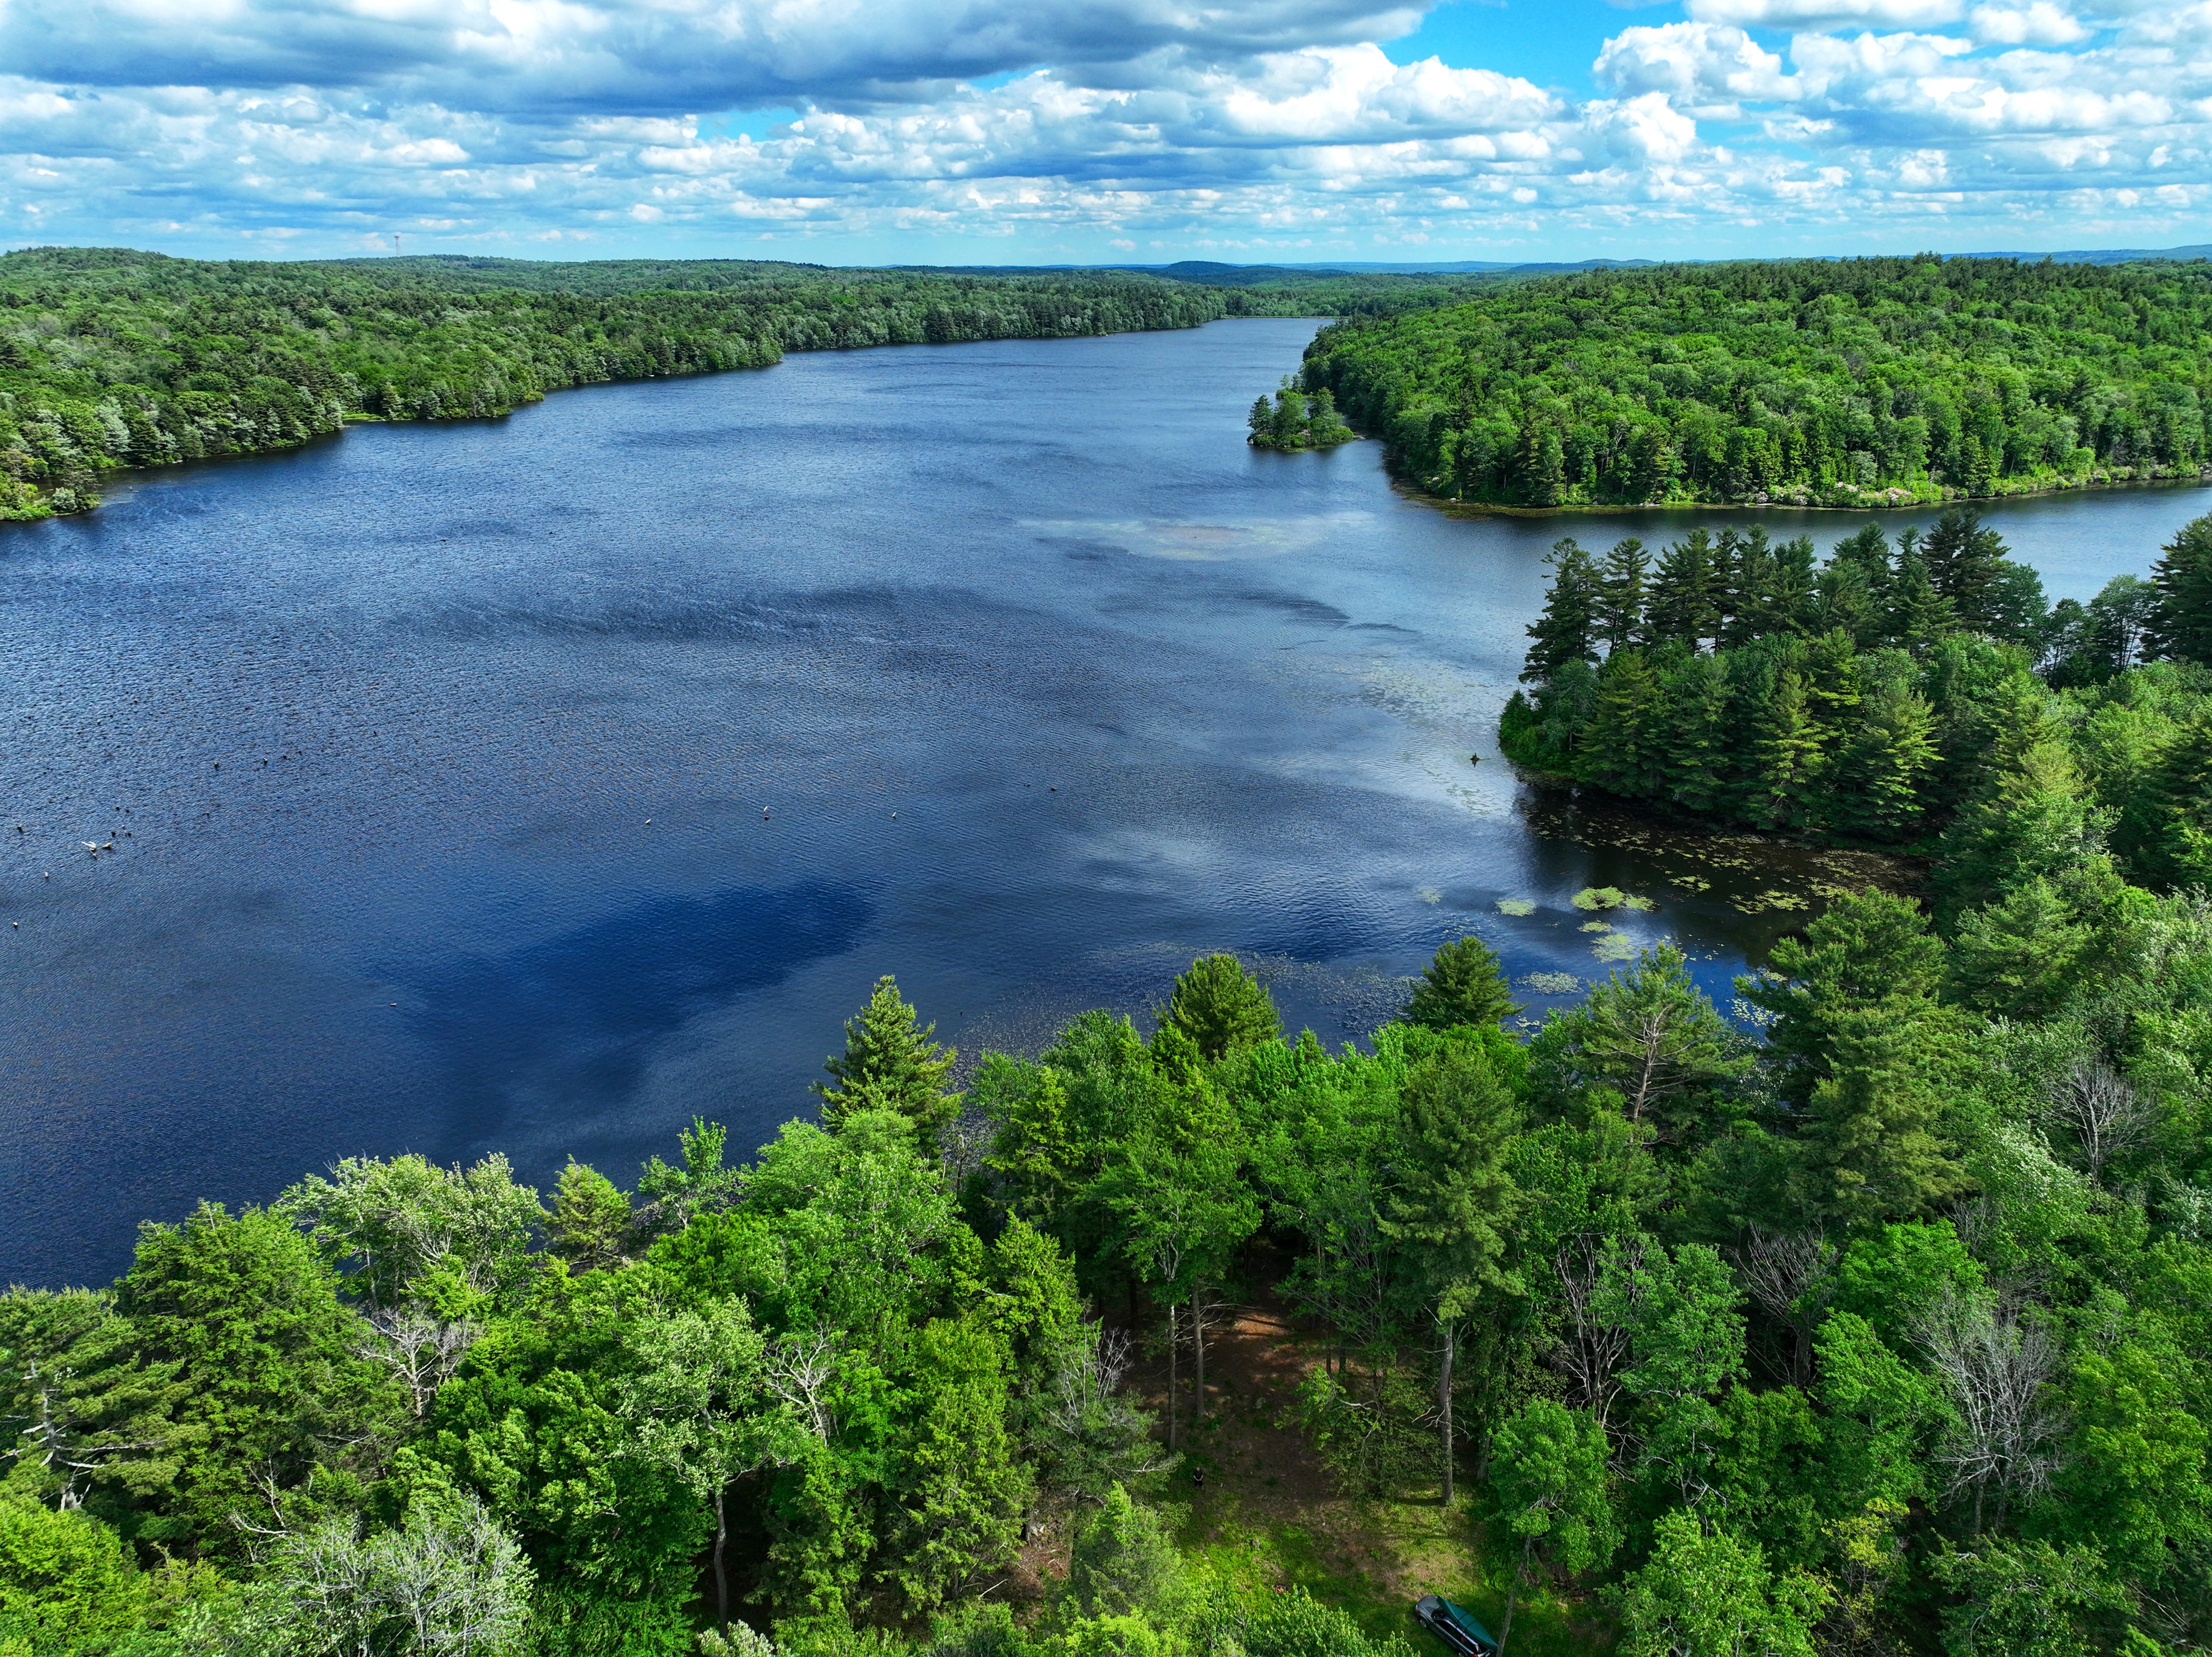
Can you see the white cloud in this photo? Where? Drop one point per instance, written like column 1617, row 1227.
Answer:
column 1249, row 130
column 1827, row 14
column 1709, row 68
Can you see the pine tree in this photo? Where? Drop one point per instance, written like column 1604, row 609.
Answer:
column 1691, row 716
column 1566, row 632
column 1465, row 984
column 1754, row 607
column 1623, row 748
column 1222, row 1008
column 1869, row 1149
column 1919, row 616
column 1787, row 747
column 1790, row 606
column 1542, row 468
column 1454, row 1200
column 1620, row 594
column 1867, row 551
column 1263, row 420
column 2182, row 628
column 1963, row 556
column 1876, row 789
column 2165, row 829
column 1685, row 606
column 891, row 1064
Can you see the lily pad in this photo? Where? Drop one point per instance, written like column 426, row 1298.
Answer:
column 1644, row 904
column 1600, row 897
column 1616, row 946
column 1552, row 983
column 1430, row 894
column 1596, row 926
column 1516, row 906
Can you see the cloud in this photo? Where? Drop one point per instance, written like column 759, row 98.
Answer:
column 1827, row 14
column 1109, row 130
column 1708, row 68
column 658, row 56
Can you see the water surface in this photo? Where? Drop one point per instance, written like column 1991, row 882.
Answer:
column 534, row 784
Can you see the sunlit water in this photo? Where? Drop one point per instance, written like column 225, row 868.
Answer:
column 1006, row 668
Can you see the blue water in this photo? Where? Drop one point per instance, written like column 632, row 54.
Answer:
column 378, row 725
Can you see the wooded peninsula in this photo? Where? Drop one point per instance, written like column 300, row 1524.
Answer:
column 1841, row 382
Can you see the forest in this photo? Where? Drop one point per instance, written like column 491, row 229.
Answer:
column 110, row 358
column 1867, row 1314
column 1842, row 383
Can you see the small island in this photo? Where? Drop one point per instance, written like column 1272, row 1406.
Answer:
column 1297, row 420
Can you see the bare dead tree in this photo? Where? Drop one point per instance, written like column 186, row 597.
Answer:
column 1995, row 1370
column 424, row 1352
column 2106, row 1113
column 1594, row 1342
column 1786, row 1274
column 800, row 1370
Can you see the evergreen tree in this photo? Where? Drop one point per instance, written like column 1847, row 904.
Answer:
column 2182, row 628
column 1793, row 580
column 1620, row 595
column 1875, row 790
column 590, row 1218
column 2165, row 828
column 891, row 1064
column 1647, row 1034
column 1221, row 1008
column 1787, row 754
column 1262, row 420
column 1963, row 557
column 1623, row 747
column 2018, row 957
column 1692, row 719
column 1567, row 630
column 1542, row 472
column 1869, row 950
column 1870, row 1149
column 1747, row 565
column 1868, row 552
column 1685, row 606
column 1919, row 615
column 1453, row 1201
column 1465, row 984
column 1289, row 420
column 1844, row 601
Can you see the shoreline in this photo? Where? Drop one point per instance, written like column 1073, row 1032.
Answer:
column 1452, row 508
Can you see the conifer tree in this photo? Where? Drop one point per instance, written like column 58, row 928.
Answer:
column 1624, row 748
column 2182, row 630
column 1918, row 615
column 1567, row 629
column 1876, row 787
column 1620, row 595
column 1454, row 1200
column 1870, row 1151
column 1692, row 719
column 1789, row 605
column 1222, row 1008
column 891, row 1064
column 1685, row 605
column 1465, row 984
column 1963, row 556
column 1542, row 468
column 1867, row 551
column 1788, row 753
column 2165, row 828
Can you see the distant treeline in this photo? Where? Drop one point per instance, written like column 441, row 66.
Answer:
column 111, row 358
column 1891, row 694
column 1842, row 383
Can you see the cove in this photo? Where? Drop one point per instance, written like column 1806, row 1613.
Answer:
column 1008, row 668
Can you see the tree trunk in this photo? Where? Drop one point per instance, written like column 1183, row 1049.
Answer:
column 721, row 1578
column 1198, row 1345
column 1175, row 1342
column 1443, row 1398
column 1519, row 1569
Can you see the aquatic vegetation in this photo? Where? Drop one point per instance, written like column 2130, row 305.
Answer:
column 1550, row 983
column 1516, row 906
column 1596, row 926
column 1600, row 897
column 1616, row 946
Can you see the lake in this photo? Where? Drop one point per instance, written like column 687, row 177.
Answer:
column 534, row 785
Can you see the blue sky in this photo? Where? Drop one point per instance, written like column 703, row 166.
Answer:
column 1032, row 131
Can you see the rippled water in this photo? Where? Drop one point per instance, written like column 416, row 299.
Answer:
column 1006, row 668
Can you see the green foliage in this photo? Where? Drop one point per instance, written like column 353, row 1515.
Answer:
column 1464, row 984
column 1124, row 1565
column 64, row 1578
column 1221, row 1008
column 891, row 1064
column 1837, row 383
column 111, row 358
column 1708, row 1594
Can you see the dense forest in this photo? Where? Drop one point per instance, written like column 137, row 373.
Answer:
column 1854, row 382
column 111, row 358
column 1869, row 1315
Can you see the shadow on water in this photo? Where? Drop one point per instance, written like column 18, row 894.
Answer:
column 569, row 1023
